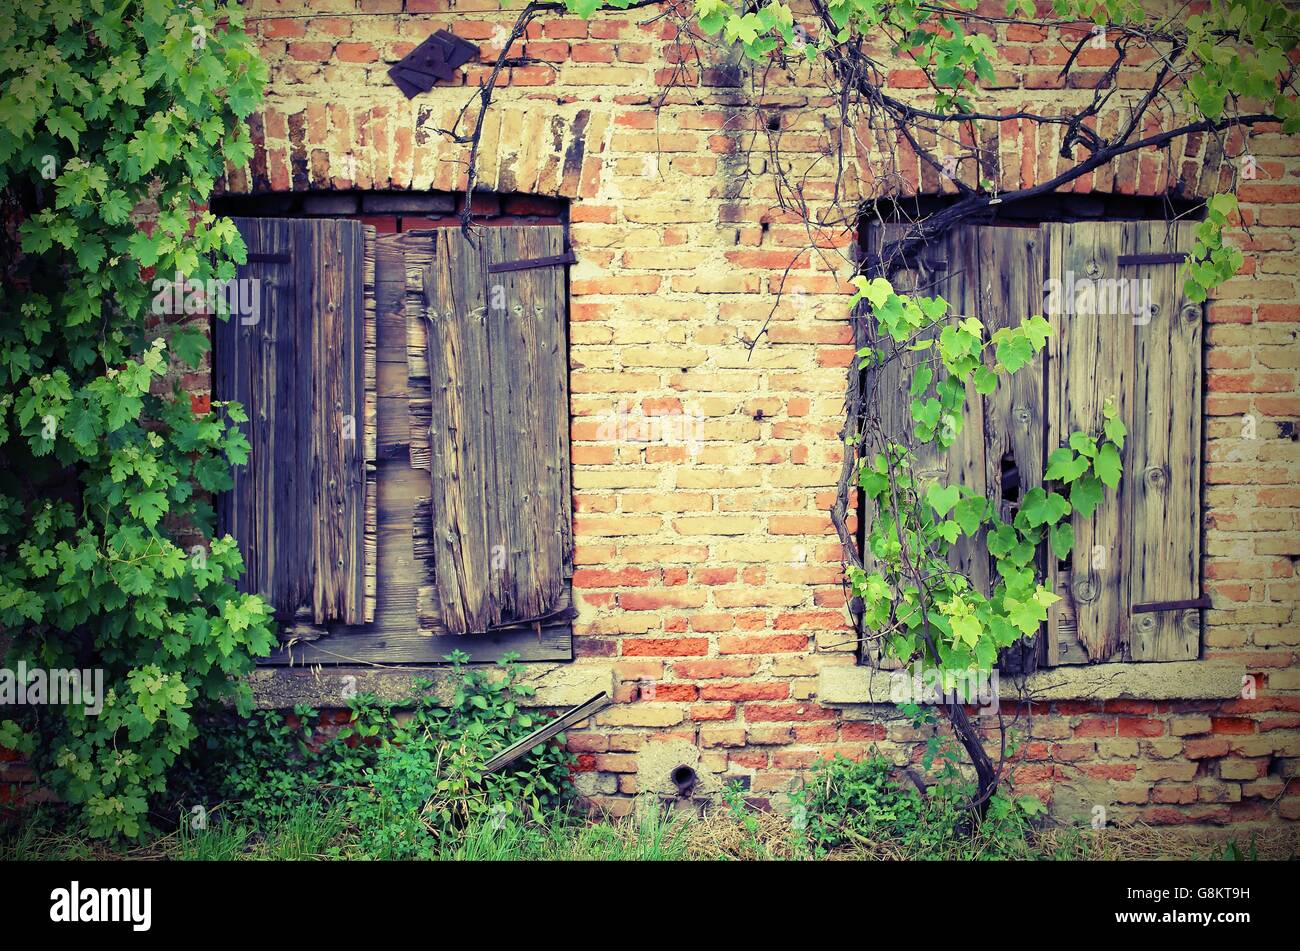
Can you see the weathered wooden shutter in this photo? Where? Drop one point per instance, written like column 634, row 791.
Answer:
column 990, row 273
column 1010, row 265
column 1124, row 332
column 303, row 366
column 488, row 345
column 1131, row 588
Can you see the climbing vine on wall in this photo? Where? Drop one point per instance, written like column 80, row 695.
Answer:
column 109, row 111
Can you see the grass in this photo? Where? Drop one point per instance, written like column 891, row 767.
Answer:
column 651, row 834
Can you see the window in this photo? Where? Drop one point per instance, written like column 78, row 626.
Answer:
column 408, row 488
column 1121, row 331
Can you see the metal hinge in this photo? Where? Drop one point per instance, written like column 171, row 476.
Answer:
column 568, row 257
column 1202, row 602
column 1178, row 257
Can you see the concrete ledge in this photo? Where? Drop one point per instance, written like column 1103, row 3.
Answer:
column 558, row 685
column 1179, row 680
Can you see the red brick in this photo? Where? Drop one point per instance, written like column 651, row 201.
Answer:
column 665, row 647
column 780, row 644
column 1232, row 725
column 714, row 669
column 781, row 712
column 1096, row 727
column 1137, row 726
column 745, row 691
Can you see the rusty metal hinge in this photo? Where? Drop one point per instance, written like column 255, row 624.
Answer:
column 1177, row 257
column 568, row 257
column 1151, row 606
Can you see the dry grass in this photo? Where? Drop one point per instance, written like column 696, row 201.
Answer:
column 718, row 835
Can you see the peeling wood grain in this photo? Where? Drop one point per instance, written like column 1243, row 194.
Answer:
column 299, row 506
column 1163, row 451
column 1091, row 360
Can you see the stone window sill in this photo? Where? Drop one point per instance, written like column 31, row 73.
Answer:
column 1179, row 680
column 558, row 685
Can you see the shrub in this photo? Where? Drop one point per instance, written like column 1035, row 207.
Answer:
column 866, row 803
column 111, row 110
column 400, row 784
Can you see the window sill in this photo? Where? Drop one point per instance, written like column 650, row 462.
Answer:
column 1179, row 680
column 557, row 685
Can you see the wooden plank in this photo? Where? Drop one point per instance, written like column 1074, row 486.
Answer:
column 1091, row 360
column 460, row 434
column 375, row 644
column 419, row 256
column 571, row 717
column 256, row 365
column 333, row 315
column 964, row 462
column 1163, row 452
column 299, row 507
column 394, row 428
column 1010, row 290
column 390, row 299
column 370, row 427
column 529, row 415
column 886, row 388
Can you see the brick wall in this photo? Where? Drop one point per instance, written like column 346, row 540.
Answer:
column 709, row 583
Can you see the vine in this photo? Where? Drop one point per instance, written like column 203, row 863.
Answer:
column 107, row 112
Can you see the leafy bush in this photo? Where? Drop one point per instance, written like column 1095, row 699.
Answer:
column 847, row 803
column 111, row 112
column 402, row 779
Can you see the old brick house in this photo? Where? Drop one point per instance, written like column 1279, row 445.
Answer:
column 702, row 568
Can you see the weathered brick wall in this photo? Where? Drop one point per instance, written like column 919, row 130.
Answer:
column 709, row 582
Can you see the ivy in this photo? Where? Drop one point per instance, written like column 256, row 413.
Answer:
column 109, row 110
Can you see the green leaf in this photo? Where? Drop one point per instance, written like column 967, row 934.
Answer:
column 1014, row 352
column 921, row 380
column 1085, row 495
column 148, row 506
column 970, row 513
column 1037, row 329
column 1064, row 466
column 1061, row 538
column 190, row 345
column 942, row 498
column 1083, row 444
column 1115, row 431
column 1107, row 465
column 1044, row 508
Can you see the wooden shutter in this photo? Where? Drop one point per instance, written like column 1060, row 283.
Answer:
column 1010, row 265
column 303, row 365
column 1131, row 588
column 990, row 273
column 489, row 347
column 1141, row 547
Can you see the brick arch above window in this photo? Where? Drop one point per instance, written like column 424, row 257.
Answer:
column 1029, row 154
column 549, row 150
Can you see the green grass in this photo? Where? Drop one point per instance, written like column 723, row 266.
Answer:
column 311, row 832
